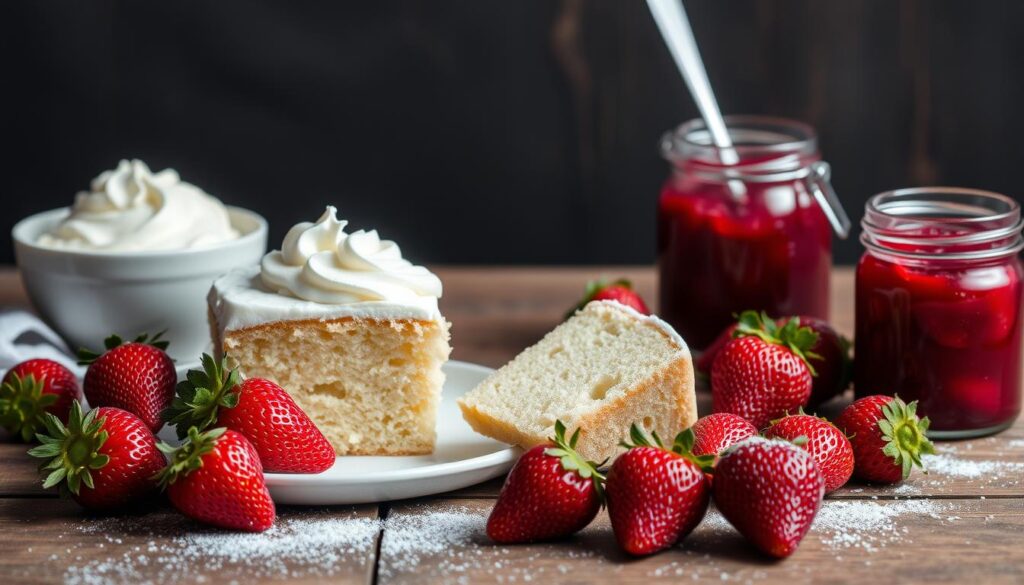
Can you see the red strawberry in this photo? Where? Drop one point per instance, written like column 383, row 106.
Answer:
column 136, row 376
column 715, row 433
column 763, row 374
column 656, row 496
column 620, row 291
column 31, row 389
column 830, row 357
column 286, row 440
column 826, row 443
column 770, row 491
column 887, row 437
column 216, row 477
column 107, row 458
column 550, row 493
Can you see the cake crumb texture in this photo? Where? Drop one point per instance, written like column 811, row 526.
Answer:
column 372, row 386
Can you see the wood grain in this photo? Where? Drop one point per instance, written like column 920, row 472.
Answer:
column 57, row 542
column 957, row 523
column 18, row 472
column 981, row 468
column 949, row 541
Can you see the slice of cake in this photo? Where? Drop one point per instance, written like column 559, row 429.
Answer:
column 348, row 327
column 601, row 371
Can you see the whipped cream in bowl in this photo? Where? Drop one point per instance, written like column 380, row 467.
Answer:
column 323, row 272
column 132, row 209
column 136, row 253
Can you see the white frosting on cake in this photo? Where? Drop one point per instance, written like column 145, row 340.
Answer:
column 322, row 273
column 239, row 300
column 320, row 262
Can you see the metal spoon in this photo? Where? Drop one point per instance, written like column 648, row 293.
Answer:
column 671, row 19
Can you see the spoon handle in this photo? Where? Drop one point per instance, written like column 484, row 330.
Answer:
column 671, row 19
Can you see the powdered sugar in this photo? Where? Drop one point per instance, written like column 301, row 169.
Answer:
column 450, row 545
column 949, row 465
column 864, row 524
column 409, row 538
column 298, row 545
column 869, row 525
column 445, row 545
column 906, row 489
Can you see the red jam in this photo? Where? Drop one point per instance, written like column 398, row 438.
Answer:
column 938, row 307
column 719, row 254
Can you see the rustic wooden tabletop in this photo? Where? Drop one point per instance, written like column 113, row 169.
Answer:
column 961, row 523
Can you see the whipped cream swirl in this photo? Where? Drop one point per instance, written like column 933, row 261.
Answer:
column 133, row 209
column 319, row 262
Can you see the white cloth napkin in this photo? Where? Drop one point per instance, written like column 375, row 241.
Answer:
column 24, row 336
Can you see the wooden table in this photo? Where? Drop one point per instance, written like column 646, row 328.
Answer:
column 962, row 523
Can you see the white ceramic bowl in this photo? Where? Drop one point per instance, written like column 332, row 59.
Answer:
column 86, row 295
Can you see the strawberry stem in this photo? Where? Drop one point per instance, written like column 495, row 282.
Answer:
column 682, row 445
column 200, row 396
column 87, row 356
column 23, row 405
column 797, row 339
column 189, row 456
column 572, row 461
column 71, row 451
column 904, row 434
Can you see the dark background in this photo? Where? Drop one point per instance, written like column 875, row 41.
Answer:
column 492, row 131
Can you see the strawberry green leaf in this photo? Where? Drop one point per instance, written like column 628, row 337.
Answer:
column 683, row 445
column 23, row 405
column 570, row 460
column 99, row 461
column 904, row 434
column 46, row 450
column 87, row 357
column 55, row 477
column 199, row 398
column 752, row 323
column 684, row 441
column 71, row 451
column 791, row 334
column 189, row 456
column 638, row 438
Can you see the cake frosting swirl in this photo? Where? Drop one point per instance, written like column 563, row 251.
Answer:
column 322, row 272
column 319, row 262
column 132, row 209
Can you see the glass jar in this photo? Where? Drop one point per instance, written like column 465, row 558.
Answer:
column 751, row 235
column 938, row 306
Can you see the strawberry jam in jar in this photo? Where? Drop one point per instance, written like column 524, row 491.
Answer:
column 939, row 306
column 751, row 235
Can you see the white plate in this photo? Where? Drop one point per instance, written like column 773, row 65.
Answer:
column 461, row 458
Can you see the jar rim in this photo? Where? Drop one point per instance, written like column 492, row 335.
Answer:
column 892, row 217
column 752, row 136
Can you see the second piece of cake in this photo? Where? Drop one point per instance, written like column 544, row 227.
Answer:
column 601, row 371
